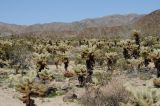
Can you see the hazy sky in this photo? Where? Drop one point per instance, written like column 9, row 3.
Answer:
column 45, row 11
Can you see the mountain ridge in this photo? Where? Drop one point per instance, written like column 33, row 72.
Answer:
column 55, row 26
column 107, row 26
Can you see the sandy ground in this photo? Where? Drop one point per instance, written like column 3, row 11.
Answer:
column 8, row 97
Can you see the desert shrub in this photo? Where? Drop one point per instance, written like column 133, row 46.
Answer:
column 103, row 77
column 110, row 95
column 15, row 52
column 20, row 54
column 122, row 64
column 156, row 82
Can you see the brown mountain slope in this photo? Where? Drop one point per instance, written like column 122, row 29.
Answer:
column 115, row 25
column 149, row 24
column 107, row 21
column 105, row 31
column 4, row 27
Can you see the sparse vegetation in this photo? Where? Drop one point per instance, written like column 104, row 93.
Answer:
column 34, row 68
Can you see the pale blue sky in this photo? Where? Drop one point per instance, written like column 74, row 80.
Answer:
column 45, row 11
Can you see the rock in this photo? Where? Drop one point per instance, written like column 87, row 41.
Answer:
column 66, row 87
column 156, row 83
column 50, row 90
column 70, row 97
column 68, row 74
column 144, row 84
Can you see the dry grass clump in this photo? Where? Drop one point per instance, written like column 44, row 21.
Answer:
column 110, row 95
column 156, row 82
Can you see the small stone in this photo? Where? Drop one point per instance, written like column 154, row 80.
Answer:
column 69, row 97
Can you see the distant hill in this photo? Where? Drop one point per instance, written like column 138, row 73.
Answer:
column 114, row 25
column 149, row 24
column 5, row 27
column 107, row 21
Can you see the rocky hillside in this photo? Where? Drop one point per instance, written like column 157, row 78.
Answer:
column 149, row 23
column 115, row 25
column 107, row 21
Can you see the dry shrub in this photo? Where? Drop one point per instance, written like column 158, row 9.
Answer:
column 122, row 64
column 69, row 74
column 20, row 54
column 103, row 77
column 156, row 83
column 110, row 95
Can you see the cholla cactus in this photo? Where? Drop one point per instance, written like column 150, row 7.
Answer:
column 13, row 80
column 136, row 63
column 5, row 47
column 85, row 50
column 149, row 41
column 111, row 55
column 124, row 43
column 100, row 44
column 42, row 56
column 126, row 54
column 50, row 49
column 63, row 47
column 133, row 46
column 28, row 86
column 110, row 44
column 78, row 59
column 3, row 63
column 92, row 49
column 155, row 54
column 41, row 60
column 136, row 35
column 5, row 44
column 111, row 59
column 93, row 41
column 39, row 48
column 130, row 49
column 99, row 56
column 144, row 51
column 45, row 75
column 143, row 97
column 157, row 46
column 57, row 61
column 24, row 85
column 81, row 71
column 134, row 50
